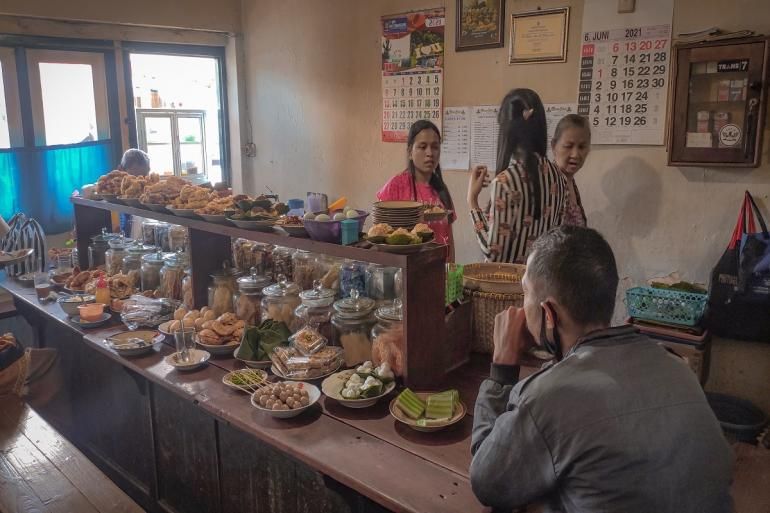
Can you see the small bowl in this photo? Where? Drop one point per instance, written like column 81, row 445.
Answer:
column 91, row 312
column 70, row 304
column 330, row 231
column 313, row 395
column 198, row 358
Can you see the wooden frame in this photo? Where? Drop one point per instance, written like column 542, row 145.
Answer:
column 11, row 91
column 748, row 153
column 545, row 33
column 483, row 36
column 99, row 76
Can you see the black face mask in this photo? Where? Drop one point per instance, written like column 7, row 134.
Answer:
column 549, row 338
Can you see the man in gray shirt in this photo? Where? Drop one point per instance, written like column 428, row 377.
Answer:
column 615, row 424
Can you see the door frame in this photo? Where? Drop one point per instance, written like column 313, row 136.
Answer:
column 216, row 52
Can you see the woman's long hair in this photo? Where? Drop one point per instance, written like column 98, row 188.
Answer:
column 436, row 180
column 523, row 137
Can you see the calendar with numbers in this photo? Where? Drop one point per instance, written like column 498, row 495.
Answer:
column 623, row 84
column 407, row 97
column 412, row 71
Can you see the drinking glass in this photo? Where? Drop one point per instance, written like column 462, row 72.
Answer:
column 184, row 343
column 42, row 286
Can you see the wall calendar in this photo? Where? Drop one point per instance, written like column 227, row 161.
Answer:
column 412, row 71
column 623, row 86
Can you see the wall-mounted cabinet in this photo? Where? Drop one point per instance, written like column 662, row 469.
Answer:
column 719, row 103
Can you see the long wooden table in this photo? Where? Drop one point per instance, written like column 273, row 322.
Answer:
column 184, row 442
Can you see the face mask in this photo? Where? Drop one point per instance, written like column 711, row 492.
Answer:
column 549, row 335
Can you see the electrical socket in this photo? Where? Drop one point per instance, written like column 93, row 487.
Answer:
column 626, row 6
column 250, row 149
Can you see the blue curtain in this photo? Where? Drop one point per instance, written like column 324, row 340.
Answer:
column 39, row 181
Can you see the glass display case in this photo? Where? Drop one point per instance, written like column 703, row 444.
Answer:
column 718, row 107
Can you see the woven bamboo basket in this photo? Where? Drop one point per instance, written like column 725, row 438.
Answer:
column 493, row 277
column 486, row 305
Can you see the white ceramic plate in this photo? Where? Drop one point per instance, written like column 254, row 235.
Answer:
column 278, row 373
column 404, row 249
column 397, row 414
column 183, row 212
column 133, row 343
column 333, row 385
column 217, row 350
column 397, row 205
column 14, row 257
column 227, row 378
column 91, row 324
column 313, row 395
column 198, row 358
column 164, row 328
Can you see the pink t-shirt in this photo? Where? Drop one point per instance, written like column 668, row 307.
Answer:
column 399, row 188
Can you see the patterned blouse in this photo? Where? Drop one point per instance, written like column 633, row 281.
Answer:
column 574, row 214
column 506, row 230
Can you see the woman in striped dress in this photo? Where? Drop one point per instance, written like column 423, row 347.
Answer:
column 528, row 192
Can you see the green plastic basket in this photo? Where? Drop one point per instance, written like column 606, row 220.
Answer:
column 454, row 282
column 665, row 305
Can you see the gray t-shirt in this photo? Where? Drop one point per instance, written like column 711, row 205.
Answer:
column 619, row 425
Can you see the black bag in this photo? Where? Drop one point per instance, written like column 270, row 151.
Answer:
column 732, row 312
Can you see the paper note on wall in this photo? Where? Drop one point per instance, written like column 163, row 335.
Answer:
column 553, row 114
column 484, row 132
column 456, row 138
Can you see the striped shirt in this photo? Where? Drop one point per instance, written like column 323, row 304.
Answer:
column 506, row 230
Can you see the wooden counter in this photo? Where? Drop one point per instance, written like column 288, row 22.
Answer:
column 184, row 442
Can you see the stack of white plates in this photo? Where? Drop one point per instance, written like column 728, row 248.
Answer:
column 398, row 214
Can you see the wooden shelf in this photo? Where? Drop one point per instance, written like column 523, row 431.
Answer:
column 427, row 357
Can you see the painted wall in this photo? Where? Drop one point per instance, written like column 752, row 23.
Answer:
column 223, row 15
column 313, row 88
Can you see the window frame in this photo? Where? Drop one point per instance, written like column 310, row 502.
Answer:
column 98, row 65
column 173, row 115
column 11, row 92
column 216, row 52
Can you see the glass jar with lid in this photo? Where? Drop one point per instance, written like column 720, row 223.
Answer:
column 132, row 262
column 177, row 238
column 148, row 231
column 327, row 270
column 248, row 254
column 151, row 266
column 117, row 251
column 388, row 337
column 352, row 277
column 304, row 269
column 353, row 320
column 222, row 289
column 381, row 283
column 282, row 263
column 279, row 301
column 98, row 247
column 171, row 275
column 316, row 310
column 248, row 298
column 188, row 295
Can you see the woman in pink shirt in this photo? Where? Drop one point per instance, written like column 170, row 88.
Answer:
column 422, row 180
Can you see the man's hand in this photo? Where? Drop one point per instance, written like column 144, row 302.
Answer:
column 512, row 338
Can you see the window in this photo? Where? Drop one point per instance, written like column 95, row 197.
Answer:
column 11, row 134
column 69, row 97
column 178, row 106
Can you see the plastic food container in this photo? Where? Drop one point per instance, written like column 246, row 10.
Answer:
column 91, row 312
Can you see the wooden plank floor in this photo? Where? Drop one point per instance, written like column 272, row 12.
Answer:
column 40, row 471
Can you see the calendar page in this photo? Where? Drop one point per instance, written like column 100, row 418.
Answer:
column 409, row 96
column 412, row 71
column 624, row 84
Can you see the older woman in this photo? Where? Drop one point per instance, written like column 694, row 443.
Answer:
column 571, row 145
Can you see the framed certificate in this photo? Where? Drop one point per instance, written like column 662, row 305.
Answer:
column 539, row 36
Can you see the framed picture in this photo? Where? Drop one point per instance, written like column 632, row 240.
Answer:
column 539, row 36
column 479, row 24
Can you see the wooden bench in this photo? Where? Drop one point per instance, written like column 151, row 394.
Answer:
column 41, row 471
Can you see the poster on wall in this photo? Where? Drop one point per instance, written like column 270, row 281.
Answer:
column 624, row 73
column 553, row 114
column 412, row 71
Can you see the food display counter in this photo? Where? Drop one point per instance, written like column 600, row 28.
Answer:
column 183, row 441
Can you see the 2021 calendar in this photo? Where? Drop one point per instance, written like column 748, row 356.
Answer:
column 623, row 84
